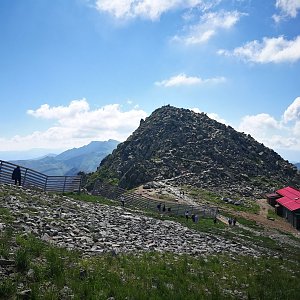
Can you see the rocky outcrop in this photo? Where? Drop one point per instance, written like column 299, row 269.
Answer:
column 189, row 148
column 94, row 228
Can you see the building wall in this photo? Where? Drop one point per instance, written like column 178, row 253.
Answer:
column 292, row 217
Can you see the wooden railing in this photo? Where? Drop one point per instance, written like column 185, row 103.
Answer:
column 134, row 200
column 31, row 178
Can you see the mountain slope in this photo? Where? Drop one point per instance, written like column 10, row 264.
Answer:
column 72, row 161
column 189, row 148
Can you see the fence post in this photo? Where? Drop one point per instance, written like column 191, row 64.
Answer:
column 24, row 178
column 80, row 182
column 1, row 170
column 64, row 184
column 45, row 187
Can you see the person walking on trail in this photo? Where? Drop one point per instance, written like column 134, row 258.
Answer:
column 229, row 221
column 123, row 201
column 234, row 221
column 16, row 175
column 186, row 215
column 159, row 207
column 193, row 218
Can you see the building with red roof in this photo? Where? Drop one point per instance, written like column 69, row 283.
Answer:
column 288, row 204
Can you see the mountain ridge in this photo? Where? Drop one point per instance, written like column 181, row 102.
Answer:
column 72, row 161
column 189, row 148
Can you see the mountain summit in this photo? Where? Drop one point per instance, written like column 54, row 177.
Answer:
column 189, row 148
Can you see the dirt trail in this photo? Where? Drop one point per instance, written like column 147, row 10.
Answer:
column 261, row 218
column 264, row 207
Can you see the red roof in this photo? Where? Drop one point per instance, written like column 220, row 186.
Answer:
column 290, row 199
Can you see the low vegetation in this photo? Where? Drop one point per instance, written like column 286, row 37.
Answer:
column 272, row 214
column 55, row 273
column 203, row 196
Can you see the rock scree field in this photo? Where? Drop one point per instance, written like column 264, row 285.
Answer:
column 56, row 246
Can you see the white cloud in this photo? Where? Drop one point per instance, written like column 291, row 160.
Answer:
column 150, row 9
column 209, row 25
column 296, row 130
column 184, row 80
column 77, row 124
column 274, row 133
column 270, row 50
column 60, row 112
column 267, row 130
column 288, row 8
column 260, row 123
column 293, row 111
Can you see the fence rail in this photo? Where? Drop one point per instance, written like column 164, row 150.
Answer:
column 32, row 178
column 138, row 201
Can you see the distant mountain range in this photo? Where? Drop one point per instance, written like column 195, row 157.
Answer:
column 297, row 165
column 70, row 162
column 35, row 153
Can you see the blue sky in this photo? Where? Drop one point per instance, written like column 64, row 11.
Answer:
column 73, row 71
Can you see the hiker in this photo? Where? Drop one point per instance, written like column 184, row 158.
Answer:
column 215, row 220
column 229, row 221
column 234, row 221
column 123, row 201
column 169, row 209
column 186, row 215
column 196, row 218
column 164, row 208
column 193, row 218
column 159, row 207
column 16, row 175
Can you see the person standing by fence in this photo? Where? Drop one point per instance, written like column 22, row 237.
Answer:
column 16, row 175
column 187, row 214
column 122, row 201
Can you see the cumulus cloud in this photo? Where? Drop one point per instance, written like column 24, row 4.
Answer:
column 184, row 80
column 60, row 112
column 288, row 8
column 267, row 130
column 77, row 124
column 259, row 123
column 276, row 134
column 293, row 111
column 150, row 9
column 270, row 50
column 296, row 130
column 208, row 26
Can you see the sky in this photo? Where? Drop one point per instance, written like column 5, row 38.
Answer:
column 76, row 71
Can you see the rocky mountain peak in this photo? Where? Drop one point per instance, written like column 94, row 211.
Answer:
column 190, row 148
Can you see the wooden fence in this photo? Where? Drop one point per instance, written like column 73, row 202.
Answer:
column 138, row 201
column 31, row 178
